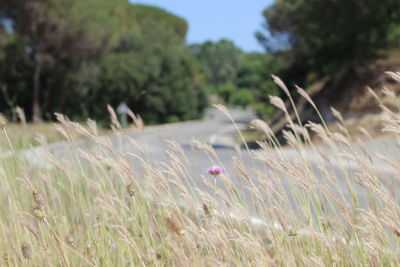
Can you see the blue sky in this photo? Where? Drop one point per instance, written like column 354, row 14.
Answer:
column 237, row 20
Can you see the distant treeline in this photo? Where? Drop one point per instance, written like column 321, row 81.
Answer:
column 238, row 78
column 328, row 43
column 75, row 56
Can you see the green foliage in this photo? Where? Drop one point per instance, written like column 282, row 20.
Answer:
column 146, row 16
column 155, row 84
column 238, row 78
column 242, row 97
column 263, row 109
column 151, row 70
column 322, row 36
column 220, row 61
column 226, row 91
column 262, row 105
column 55, row 39
column 254, row 73
column 87, row 54
column 251, row 71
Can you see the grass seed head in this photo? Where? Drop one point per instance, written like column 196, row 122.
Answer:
column 396, row 232
column 206, row 210
column 21, row 114
column 70, row 240
column 130, row 190
column 38, row 198
column 5, row 258
column 26, row 250
column 39, row 214
column 173, row 226
column 3, row 121
column 90, row 251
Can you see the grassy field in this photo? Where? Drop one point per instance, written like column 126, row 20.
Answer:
column 97, row 210
column 33, row 134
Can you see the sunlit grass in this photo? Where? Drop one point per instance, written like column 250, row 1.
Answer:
column 30, row 134
column 104, row 207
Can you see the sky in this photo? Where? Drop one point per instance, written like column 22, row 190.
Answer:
column 237, row 20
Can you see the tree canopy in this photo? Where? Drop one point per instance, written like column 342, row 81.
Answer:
column 75, row 57
column 238, row 78
column 321, row 36
column 220, row 61
column 78, row 56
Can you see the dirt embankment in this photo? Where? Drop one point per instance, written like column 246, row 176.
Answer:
column 348, row 93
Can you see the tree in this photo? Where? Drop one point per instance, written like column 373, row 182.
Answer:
column 59, row 35
column 151, row 69
column 322, row 36
column 145, row 17
column 252, row 71
column 79, row 56
column 238, row 78
column 242, row 97
column 220, row 61
column 254, row 74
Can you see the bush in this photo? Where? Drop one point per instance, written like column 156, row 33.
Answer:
column 263, row 109
column 242, row 97
column 226, row 91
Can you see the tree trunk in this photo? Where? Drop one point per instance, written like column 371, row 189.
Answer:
column 36, row 91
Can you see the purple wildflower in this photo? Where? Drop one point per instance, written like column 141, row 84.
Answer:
column 157, row 206
column 215, row 170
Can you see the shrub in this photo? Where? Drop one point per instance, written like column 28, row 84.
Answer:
column 242, row 97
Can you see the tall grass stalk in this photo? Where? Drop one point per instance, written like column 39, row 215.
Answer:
column 295, row 205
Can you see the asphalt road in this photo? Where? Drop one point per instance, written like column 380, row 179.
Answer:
column 218, row 131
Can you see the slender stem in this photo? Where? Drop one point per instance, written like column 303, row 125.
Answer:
column 9, row 141
column 58, row 242
column 14, row 154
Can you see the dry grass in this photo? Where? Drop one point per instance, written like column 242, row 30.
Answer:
column 109, row 208
column 33, row 134
column 25, row 135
